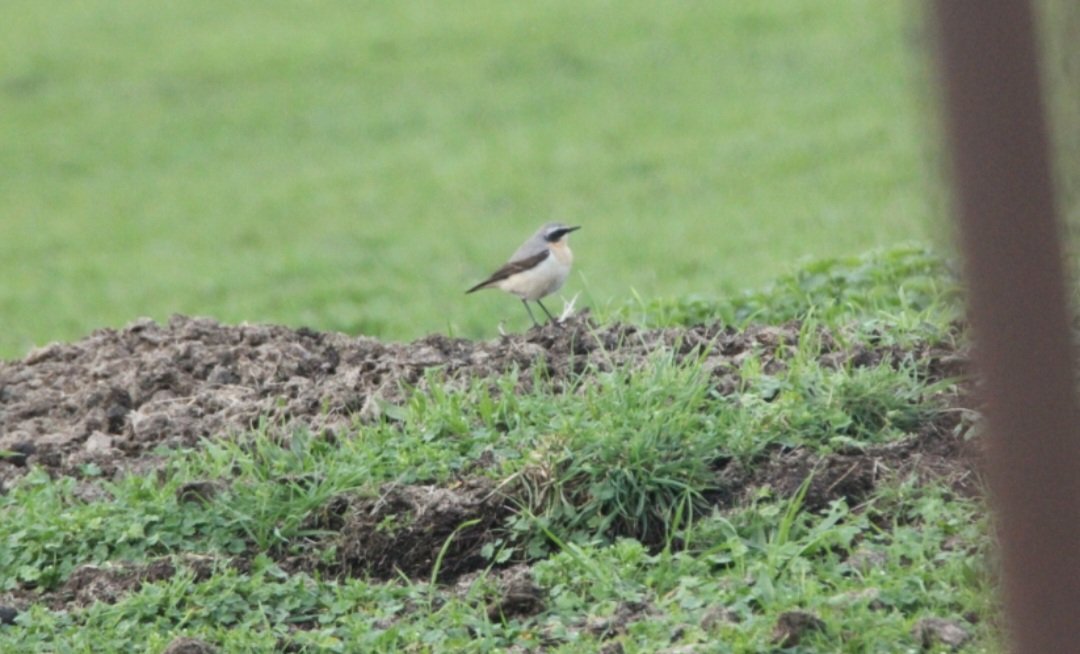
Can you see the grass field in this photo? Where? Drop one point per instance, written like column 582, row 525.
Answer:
column 356, row 166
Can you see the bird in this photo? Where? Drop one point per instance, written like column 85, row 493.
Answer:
column 537, row 269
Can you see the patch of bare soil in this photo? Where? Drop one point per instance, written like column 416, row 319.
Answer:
column 791, row 626
column 107, row 583
column 606, row 628
column 419, row 531
column 508, row 592
column 937, row 452
column 190, row 646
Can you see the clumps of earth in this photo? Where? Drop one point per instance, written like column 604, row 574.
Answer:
column 113, row 397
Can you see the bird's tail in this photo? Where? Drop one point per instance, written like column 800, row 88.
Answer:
column 482, row 285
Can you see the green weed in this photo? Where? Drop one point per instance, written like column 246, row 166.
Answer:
column 903, row 287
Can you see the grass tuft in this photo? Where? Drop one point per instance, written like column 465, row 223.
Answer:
column 913, row 282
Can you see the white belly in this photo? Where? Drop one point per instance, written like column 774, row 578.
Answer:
column 538, row 282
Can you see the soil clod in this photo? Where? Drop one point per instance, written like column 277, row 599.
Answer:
column 518, row 595
column 793, row 626
column 199, row 492
column 930, row 632
column 418, row 531
column 18, row 453
column 190, row 646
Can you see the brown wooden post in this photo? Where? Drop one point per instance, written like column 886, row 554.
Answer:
column 1010, row 236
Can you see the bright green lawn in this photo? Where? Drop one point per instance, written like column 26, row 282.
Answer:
column 356, row 166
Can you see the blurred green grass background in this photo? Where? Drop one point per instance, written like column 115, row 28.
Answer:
column 356, row 166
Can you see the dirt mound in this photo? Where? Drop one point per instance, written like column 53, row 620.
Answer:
column 110, row 398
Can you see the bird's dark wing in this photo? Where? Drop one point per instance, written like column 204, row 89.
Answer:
column 512, row 268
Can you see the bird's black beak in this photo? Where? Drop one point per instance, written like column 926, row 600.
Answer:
column 571, row 229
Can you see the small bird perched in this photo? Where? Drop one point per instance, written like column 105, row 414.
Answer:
column 538, row 268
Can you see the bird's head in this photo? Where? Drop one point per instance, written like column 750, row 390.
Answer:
column 555, row 232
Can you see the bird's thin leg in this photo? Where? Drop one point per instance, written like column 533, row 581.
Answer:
column 551, row 317
column 526, row 303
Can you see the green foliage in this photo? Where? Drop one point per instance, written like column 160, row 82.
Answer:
column 822, row 408
column 741, row 570
column 622, row 455
column 48, row 531
column 868, row 583
column 898, row 283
